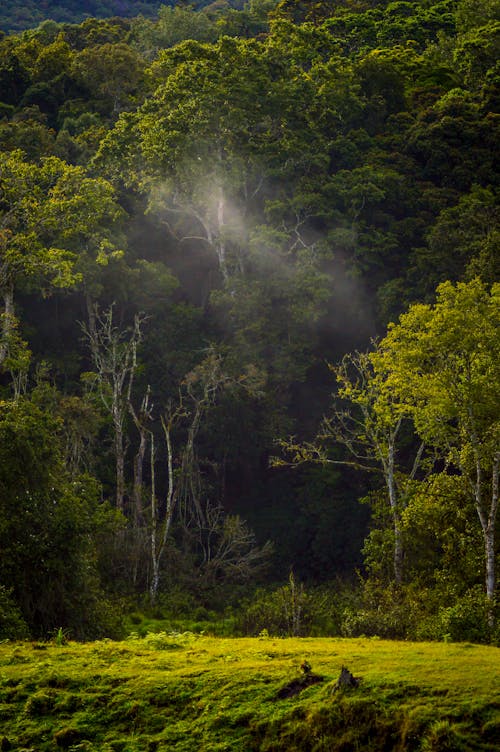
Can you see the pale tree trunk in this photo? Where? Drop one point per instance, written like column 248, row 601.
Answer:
column 386, row 452
column 211, row 378
column 393, row 502
column 155, row 554
column 490, row 550
column 119, row 373
column 160, row 532
column 138, row 476
column 8, row 321
column 488, row 522
column 140, row 419
column 487, row 513
column 115, row 362
column 119, row 462
column 211, row 222
column 220, row 244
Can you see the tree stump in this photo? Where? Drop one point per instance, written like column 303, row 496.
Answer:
column 346, row 680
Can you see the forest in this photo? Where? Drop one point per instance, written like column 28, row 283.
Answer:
column 249, row 318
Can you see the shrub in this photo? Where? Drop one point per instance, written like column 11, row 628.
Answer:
column 291, row 610
column 464, row 620
column 12, row 624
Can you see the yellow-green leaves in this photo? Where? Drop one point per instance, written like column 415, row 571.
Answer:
column 51, row 215
column 444, row 361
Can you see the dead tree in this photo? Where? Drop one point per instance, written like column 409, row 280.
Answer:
column 223, row 543
column 114, row 355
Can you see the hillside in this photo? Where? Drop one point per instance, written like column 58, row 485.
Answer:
column 181, row 692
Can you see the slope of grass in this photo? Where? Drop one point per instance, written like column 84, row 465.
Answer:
column 186, row 692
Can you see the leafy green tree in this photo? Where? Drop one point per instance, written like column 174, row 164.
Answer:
column 174, row 24
column 443, row 364
column 113, row 74
column 371, row 423
column 14, row 74
column 190, row 147
column 301, row 10
column 47, row 522
column 28, row 131
column 476, row 54
column 443, row 540
column 48, row 214
column 463, row 241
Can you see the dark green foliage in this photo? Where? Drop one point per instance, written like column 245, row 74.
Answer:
column 12, row 624
column 14, row 17
column 48, row 558
column 296, row 610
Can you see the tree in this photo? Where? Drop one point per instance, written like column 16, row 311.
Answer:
column 113, row 74
column 223, row 543
column 370, row 422
column 443, row 362
column 464, row 240
column 114, row 355
column 48, row 525
column 190, row 147
column 52, row 215
column 174, row 24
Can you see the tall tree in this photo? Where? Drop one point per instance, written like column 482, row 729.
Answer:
column 189, row 147
column 48, row 526
column 443, row 362
column 371, row 423
column 114, row 355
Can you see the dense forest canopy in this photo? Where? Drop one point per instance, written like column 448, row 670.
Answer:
column 249, row 266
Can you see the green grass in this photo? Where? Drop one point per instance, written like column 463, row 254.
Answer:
column 190, row 693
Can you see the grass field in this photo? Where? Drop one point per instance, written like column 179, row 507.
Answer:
column 191, row 693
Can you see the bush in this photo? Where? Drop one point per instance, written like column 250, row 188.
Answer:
column 293, row 611
column 420, row 613
column 12, row 624
column 382, row 611
column 465, row 620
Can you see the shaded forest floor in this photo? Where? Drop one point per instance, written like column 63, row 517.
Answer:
column 184, row 692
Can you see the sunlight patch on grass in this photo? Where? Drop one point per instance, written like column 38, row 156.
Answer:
column 184, row 692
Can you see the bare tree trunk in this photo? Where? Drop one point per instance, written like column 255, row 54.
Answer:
column 157, row 531
column 8, row 321
column 140, row 420
column 487, row 517
column 393, row 502
column 119, row 462
column 221, row 245
column 489, row 541
column 489, row 532
column 115, row 361
column 138, row 476
column 155, row 554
